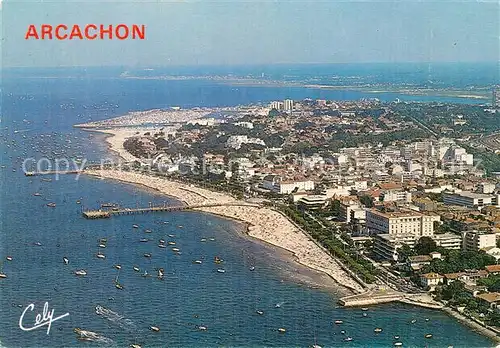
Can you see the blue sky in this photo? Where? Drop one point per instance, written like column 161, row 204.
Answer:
column 258, row 32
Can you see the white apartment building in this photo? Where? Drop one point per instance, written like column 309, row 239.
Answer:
column 276, row 184
column 288, row 105
column 470, row 199
column 400, row 222
column 475, row 241
column 235, row 141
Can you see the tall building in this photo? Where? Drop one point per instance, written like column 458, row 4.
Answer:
column 277, row 105
column 475, row 241
column 288, row 105
column 400, row 222
column 496, row 98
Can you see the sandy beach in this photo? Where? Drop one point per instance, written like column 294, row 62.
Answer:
column 263, row 223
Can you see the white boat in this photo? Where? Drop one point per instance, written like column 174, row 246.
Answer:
column 259, row 312
column 137, row 269
column 162, row 246
column 144, row 240
column 428, row 336
column 281, row 330
column 396, row 337
column 175, row 249
column 65, row 260
column 161, row 241
column 171, row 243
column 100, row 255
column 133, row 345
column 102, row 245
column 378, row 330
column 414, row 321
column 9, row 258
column 135, row 226
column 118, row 266
column 147, row 231
column 197, row 261
column 160, row 273
column 348, row 339
column 220, row 270
column 154, row 328
column 3, row 275
column 202, row 328
column 147, row 255
column 398, row 344
column 81, row 272
column 145, row 274
column 171, row 235
column 338, row 322
column 203, row 240
column 252, row 268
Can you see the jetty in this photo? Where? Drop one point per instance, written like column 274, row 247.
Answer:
column 104, row 214
column 379, row 296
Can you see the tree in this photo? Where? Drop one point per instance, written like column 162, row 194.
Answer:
column 367, row 201
column 425, row 245
column 405, row 251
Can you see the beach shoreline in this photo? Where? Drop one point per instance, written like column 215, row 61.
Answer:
column 264, row 224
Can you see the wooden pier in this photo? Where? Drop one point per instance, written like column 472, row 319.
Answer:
column 104, row 214
column 53, row 172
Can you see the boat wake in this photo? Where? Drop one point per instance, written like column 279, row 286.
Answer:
column 84, row 335
column 115, row 318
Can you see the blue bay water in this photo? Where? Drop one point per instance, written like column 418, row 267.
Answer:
column 42, row 111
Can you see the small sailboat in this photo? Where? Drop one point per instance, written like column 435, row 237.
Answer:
column 161, row 241
column 348, row 339
column 203, row 240
column 100, row 255
column 117, row 283
column 102, row 245
column 202, row 328
column 398, row 344
column 414, row 321
column 377, row 330
column 147, row 255
column 197, row 262
column 81, row 272
column 147, row 231
column 281, row 330
column 252, row 268
column 218, row 260
column 135, row 226
column 175, row 250
column 2, row 275
column 137, row 269
column 171, row 243
column 145, row 274
column 9, row 258
column 144, row 240
column 51, row 205
column 428, row 335
column 160, row 273
column 37, row 194
column 154, row 328
column 220, row 270
column 338, row 322
column 65, row 260
column 135, row 345
column 259, row 312
column 163, row 246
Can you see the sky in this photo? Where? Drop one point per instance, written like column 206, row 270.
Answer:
column 248, row 32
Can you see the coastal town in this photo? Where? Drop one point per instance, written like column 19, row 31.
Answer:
column 395, row 201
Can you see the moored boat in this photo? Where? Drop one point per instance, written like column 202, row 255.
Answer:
column 281, row 330
column 338, row 322
column 81, row 272
column 154, row 328
column 65, row 260
column 378, row 330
